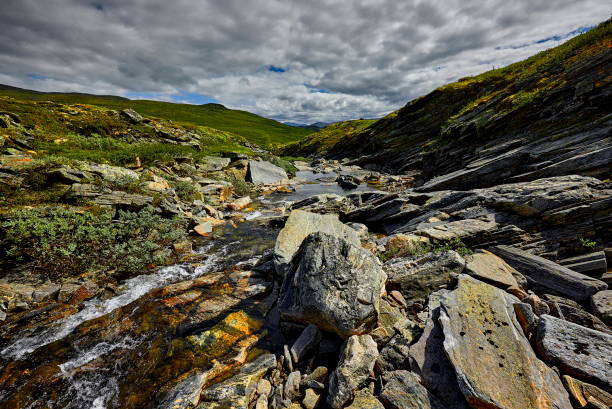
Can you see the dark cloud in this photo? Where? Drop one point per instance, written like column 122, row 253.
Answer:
column 316, row 60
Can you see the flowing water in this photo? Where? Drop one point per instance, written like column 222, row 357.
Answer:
column 89, row 384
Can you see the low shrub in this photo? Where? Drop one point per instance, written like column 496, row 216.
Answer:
column 417, row 248
column 60, row 241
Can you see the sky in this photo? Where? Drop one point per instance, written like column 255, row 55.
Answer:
column 302, row 61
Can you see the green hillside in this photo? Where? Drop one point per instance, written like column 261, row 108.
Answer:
column 256, row 129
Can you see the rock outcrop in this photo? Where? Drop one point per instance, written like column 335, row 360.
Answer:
column 262, row 172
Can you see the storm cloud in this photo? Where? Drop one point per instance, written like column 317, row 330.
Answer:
column 300, row 61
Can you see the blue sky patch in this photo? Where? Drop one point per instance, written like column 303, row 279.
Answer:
column 98, row 6
column 38, row 77
column 182, row 97
column 559, row 37
column 316, row 90
column 274, row 68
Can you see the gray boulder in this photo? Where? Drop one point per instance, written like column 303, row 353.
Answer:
column 494, row 362
column 546, row 276
column 264, row 173
column 299, row 225
column 403, row 391
column 578, row 351
column 334, row 285
column 131, row 115
column 356, row 364
column 417, row 277
column 592, row 264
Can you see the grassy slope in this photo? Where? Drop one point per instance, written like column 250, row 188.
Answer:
column 256, row 129
column 325, row 138
column 489, row 105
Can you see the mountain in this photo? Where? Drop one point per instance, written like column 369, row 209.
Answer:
column 545, row 116
column 256, row 129
column 314, row 126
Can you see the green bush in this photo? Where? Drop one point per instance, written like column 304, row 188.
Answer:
column 417, row 248
column 241, row 188
column 60, row 241
column 184, row 190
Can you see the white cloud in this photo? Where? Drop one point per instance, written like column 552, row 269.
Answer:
column 370, row 57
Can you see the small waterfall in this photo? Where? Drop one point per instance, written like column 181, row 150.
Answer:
column 132, row 289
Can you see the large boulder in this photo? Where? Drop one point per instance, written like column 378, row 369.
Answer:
column 417, row 277
column 356, row 364
column 576, row 350
column 494, row 362
column 549, row 277
column 264, row 173
column 299, row 225
column 334, row 285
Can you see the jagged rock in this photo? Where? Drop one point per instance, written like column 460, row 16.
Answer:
column 592, row 264
column 212, row 163
column 576, row 350
column 403, row 391
column 394, row 355
column 262, row 172
column 571, row 311
column 299, row 225
column 311, row 399
column 586, row 395
column 601, row 303
column 538, row 306
column 240, row 204
column 526, row 317
column 108, row 198
column 479, row 325
column 185, row 394
column 365, row 400
column 110, row 173
column 348, row 181
column 356, row 364
column 306, row 342
column 460, row 229
column 546, row 276
column 323, row 203
column 417, row 277
column 238, row 390
column 489, row 268
column 334, row 285
column 131, row 115
column 292, row 385
column 429, row 361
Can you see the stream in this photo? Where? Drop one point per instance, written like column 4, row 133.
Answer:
column 115, row 352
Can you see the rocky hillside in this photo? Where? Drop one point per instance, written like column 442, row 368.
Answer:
column 254, row 128
column 546, row 116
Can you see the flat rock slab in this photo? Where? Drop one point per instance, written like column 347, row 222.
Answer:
column 578, row 351
column 403, row 391
column 494, row 362
column 549, row 277
column 334, row 285
column 486, row 266
column 299, row 225
column 461, row 229
column 417, row 277
column 265, row 173
column 587, row 395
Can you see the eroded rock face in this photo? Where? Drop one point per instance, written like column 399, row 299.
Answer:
column 262, row 172
column 578, row 351
column 334, row 285
column 417, row 277
column 299, row 225
column 547, row 276
column 356, row 363
column 480, row 327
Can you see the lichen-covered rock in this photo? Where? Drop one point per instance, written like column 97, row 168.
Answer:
column 492, row 269
column 417, row 277
column 602, row 305
column 131, row 115
column 334, row 285
column 403, row 391
column 356, row 364
column 365, row 400
column 578, row 351
column 299, row 225
column 480, row 327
